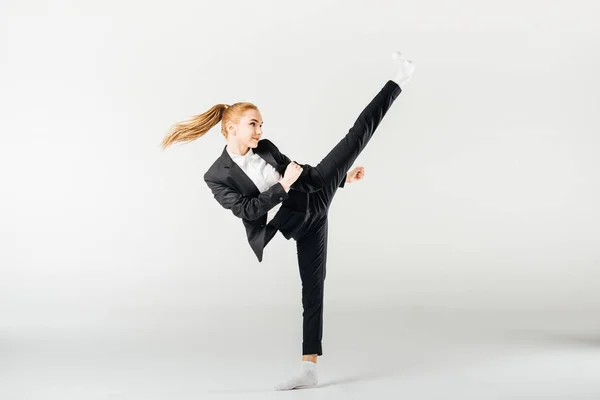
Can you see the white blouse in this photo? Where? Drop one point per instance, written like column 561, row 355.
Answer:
column 260, row 172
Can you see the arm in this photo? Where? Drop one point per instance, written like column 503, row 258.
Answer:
column 250, row 208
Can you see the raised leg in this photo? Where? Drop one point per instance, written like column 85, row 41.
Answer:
column 336, row 164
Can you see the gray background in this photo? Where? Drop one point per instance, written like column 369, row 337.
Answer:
column 480, row 193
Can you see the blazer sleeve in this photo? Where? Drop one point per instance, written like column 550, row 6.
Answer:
column 250, row 208
column 310, row 180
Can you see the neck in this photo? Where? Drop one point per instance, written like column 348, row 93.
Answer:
column 238, row 148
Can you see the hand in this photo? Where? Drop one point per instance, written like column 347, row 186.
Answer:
column 355, row 174
column 291, row 174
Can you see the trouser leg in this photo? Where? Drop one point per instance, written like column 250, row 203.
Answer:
column 335, row 165
column 312, row 259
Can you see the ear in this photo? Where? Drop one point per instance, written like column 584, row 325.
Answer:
column 230, row 127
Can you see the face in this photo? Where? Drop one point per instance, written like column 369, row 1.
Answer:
column 249, row 129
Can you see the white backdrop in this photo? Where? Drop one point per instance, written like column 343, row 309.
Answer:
column 481, row 185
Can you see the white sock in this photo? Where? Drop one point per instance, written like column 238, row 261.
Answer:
column 306, row 379
column 404, row 68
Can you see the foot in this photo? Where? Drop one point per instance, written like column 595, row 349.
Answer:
column 404, row 68
column 306, row 379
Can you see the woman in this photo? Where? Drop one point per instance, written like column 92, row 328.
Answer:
column 271, row 193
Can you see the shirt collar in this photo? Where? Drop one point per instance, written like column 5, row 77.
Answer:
column 245, row 159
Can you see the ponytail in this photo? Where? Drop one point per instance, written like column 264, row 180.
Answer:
column 194, row 127
column 198, row 125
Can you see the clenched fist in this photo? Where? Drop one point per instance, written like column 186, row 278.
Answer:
column 292, row 172
column 291, row 175
column 355, row 174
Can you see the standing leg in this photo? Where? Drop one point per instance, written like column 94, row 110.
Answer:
column 336, row 164
column 312, row 260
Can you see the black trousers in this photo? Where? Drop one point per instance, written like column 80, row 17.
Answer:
column 311, row 240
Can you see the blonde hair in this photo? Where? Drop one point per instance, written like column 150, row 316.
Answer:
column 198, row 125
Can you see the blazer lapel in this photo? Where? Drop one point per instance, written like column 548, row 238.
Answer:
column 266, row 155
column 239, row 176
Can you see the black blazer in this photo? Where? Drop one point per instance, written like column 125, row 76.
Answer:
column 235, row 191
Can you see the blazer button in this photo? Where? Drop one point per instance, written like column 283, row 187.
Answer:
column 281, row 198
